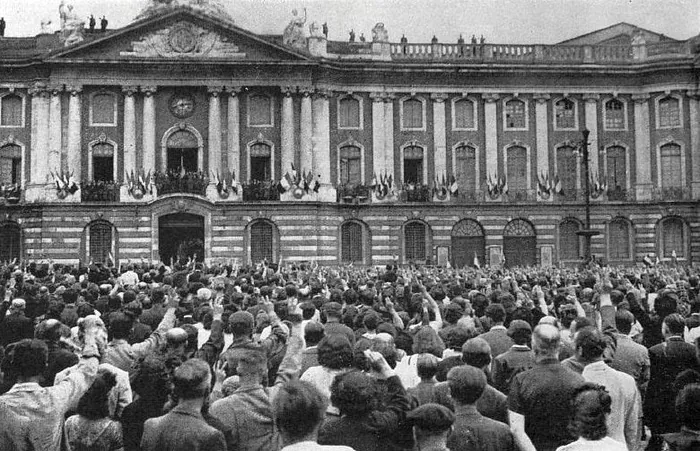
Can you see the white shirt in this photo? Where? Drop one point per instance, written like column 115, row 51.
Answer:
column 604, row 444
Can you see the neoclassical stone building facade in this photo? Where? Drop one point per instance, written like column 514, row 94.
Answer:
column 183, row 133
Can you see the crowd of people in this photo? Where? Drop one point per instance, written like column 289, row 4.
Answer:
column 301, row 357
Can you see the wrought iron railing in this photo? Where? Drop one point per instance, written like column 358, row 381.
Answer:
column 181, row 183
column 618, row 194
column 520, row 195
column 416, row 193
column 99, row 192
column 257, row 191
column 672, row 193
column 354, row 194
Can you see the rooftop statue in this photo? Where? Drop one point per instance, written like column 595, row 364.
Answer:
column 379, row 33
column 71, row 24
column 210, row 7
column 293, row 34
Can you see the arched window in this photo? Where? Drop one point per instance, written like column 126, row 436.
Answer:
column 565, row 114
column 619, row 240
column 413, row 165
column 671, row 172
column 616, row 162
column 349, row 113
column 261, row 242
column 260, row 162
column 464, row 114
column 519, row 243
column 415, row 241
column 103, row 162
column 10, row 165
column 515, row 114
column 183, row 150
column 615, row 115
column 350, row 165
column 466, row 169
column 101, row 241
column 10, row 242
column 412, row 114
column 673, row 238
column 259, row 111
column 516, row 169
column 567, row 170
column 468, row 241
column 569, row 242
column 103, row 109
column 669, row 112
column 352, row 243
column 11, row 106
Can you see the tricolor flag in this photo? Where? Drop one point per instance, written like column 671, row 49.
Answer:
column 454, row 186
column 476, row 261
column 317, row 184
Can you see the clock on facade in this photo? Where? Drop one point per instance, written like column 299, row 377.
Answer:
column 181, row 105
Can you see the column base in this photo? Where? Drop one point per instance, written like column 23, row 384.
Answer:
column 127, row 197
column 644, row 191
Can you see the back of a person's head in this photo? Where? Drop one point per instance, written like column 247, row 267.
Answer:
column 688, row 406
column 591, row 342
column 48, row 330
column 371, row 320
column 308, row 310
column 354, row 394
column 70, row 296
column 298, row 410
column 29, row 358
column 496, row 312
column 191, row 380
column 624, row 319
column 252, row 362
column 545, row 340
column 290, row 290
column 335, row 352
column 157, row 296
column 427, row 340
column 581, row 322
column 94, row 404
column 666, row 303
column 151, row 379
column 313, row 333
column 427, row 366
column 466, row 384
column 674, row 324
column 476, row 352
column 590, row 405
column 120, row 326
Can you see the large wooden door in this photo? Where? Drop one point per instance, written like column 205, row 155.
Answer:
column 519, row 244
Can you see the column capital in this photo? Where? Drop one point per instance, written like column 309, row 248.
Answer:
column 39, row 90
column 56, row 90
column 306, row 91
column 215, row 91
column 74, row 90
column 233, row 91
column 439, row 97
column 693, row 94
column 541, row 98
column 490, row 97
column 149, row 91
column 129, row 91
column 389, row 97
column 591, row 98
column 322, row 93
column 640, row 98
column 377, row 96
column 288, row 91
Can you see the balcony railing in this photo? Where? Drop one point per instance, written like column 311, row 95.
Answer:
column 181, row 183
column 619, row 194
column 520, row 195
column 257, row 191
column 416, row 193
column 671, row 193
column 99, row 192
column 569, row 195
column 10, row 193
column 353, row 194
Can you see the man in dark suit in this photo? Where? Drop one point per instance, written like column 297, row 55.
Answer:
column 668, row 360
column 497, row 337
column 16, row 325
column 184, row 427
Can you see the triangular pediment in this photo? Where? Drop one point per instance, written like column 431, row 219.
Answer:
column 180, row 35
column 618, row 34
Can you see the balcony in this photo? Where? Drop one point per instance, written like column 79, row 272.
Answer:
column 99, row 192
column 416, row 193
column 520, row 195
column 181, row 183
column 671, row 193
column 10, row 194
column 569, row 195
column 353, row 194
column 619, row 194
column 257, row 191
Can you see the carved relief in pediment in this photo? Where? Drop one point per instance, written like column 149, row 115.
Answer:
column 184, row 40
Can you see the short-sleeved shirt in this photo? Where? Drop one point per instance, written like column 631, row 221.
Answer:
column 542, row 395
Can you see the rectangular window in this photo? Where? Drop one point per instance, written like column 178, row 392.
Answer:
column 415, row 241
column 259, row 111
column 671, row 173
column 464, row 114
column 103, row 112
column 413, row 114
column 517, row 169
column 614, row 115
column 669, row 113
column 565, row 114
column 349, row 113
column 11, row 111
column 515, row 114
column 103, row 169
column 466, row 169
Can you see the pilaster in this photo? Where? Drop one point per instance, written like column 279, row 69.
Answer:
column 439, row 135
column 491, row 134
column 378, row 137
column 75, row 132
column 306, row 158
column 234, row 131
column 592, row 125
column 149, row 128
column 55, row 128
column 389, row 134
column 694, row 103
column 322, row 143
column 287, row 129
column 642, row 146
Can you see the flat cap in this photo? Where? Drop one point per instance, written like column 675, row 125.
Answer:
column 431, row 417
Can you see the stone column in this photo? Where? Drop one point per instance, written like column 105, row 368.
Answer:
column 389, row 135
column 129, row 130
column 55, row 130
column 322, row 144
column 439, row 136
column 40, row 169
column 288, row 139
column 149, row 129
column 694, row 100
column 491, row 134
column 378, row 137
column 214, row 131
column 306, row 157
column 75, row 154
column 592, row 125
column 542, row 134
column 642, row 145
column 233, row 155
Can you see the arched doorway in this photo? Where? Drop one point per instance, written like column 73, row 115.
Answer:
column 262, row 237
column 520, row 243
column 182, row 152
column 10, row 242
column 180, row 236
column 467, row 241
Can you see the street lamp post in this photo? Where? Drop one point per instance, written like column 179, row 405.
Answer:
column 586, row 233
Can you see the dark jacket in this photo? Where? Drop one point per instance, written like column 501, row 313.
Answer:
column 15, row 328
column 472, row 431
column 181, row 430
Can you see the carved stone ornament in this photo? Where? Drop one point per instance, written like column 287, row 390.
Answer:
column 184, row 40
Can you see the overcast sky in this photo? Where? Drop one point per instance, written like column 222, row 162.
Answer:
column 500, row 21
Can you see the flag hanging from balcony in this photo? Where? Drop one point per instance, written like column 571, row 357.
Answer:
column 476, row 261
column 454, row 186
